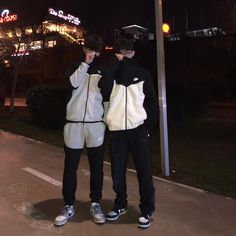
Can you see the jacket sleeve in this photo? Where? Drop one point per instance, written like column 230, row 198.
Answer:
column 150, row 102
column 107, row 80
column 78, row 74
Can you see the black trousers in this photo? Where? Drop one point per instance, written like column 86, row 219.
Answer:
column 137, row 142
column 72, row 158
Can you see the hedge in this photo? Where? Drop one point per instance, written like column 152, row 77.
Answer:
column 48, row 105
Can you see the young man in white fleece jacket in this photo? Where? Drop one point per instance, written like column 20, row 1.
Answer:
column 84, row 126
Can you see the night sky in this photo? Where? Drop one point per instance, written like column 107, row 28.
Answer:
column 103, row 15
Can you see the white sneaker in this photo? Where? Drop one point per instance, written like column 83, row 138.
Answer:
column 144, row 222
column 96, row 212
column 66, row 214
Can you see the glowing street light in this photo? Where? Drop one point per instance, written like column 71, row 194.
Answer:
column 165, row 28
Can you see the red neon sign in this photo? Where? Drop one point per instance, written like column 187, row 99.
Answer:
column 8, row 18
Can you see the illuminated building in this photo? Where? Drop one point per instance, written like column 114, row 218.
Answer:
column 138, row 33
column 195, row 34
column 57, row 28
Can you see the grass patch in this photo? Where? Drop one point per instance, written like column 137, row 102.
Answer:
column 202, row 154
column 20, row 122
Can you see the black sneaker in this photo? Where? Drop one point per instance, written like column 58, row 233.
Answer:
column 115, row 213
column 144, row 221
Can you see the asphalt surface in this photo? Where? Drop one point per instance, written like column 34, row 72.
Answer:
column 30, row 199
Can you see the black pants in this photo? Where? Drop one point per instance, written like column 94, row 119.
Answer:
column 137, row 142
column 72, row 158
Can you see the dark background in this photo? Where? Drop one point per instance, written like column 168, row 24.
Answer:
column 102, row 16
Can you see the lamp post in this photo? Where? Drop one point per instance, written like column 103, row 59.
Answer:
column 161, row 79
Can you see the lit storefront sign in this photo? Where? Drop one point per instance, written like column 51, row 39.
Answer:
column 66, row 17
column 7, row 17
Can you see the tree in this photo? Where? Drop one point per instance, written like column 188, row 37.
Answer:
column 18, row 36
column 228, row 12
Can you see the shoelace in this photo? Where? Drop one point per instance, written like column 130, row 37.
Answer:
column 97, row 209
column 67, row 211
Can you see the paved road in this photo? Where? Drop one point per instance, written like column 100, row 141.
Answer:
column 30, row 198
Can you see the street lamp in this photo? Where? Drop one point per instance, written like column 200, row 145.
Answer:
column 165, row 28
column 161, row 79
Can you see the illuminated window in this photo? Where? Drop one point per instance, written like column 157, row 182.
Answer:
column 18, row 32
column 39, row 30
column 36, row 45
column 22, row 47
column 10, row 34
column 49, row 27
column 28, row 30
column 51, row 44
column 68, row 32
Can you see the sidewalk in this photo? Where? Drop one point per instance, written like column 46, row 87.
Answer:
column 30, row 198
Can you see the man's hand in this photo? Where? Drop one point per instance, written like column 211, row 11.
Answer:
column 89, row 57
column 130, row 54
column 119, row 56
column 125, row 53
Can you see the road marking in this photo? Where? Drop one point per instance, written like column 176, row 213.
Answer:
column 43, row 176
column 108, row 179
column 87, row 173
column 18, row 189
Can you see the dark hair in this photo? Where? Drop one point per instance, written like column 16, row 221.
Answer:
column 94, row 42
column 124, row 43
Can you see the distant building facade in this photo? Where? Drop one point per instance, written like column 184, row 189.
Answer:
column 57, row 28
column 202, row 33
column 138, row 32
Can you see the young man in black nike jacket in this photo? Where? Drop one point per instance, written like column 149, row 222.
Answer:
column 132, row 110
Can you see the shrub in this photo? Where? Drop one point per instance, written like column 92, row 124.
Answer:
column 2, row 95
column 48, row 105
column 186, row 103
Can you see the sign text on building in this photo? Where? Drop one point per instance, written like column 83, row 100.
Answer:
column 67, row 17
column 5, row 16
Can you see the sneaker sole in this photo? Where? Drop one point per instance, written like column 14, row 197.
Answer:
column 99, row 222
column 113, row 219
column 58, row 224
column 144, row 226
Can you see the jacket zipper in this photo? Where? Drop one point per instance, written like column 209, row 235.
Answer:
column 125, row 107
column 86, row 103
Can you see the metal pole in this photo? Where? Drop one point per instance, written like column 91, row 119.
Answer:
column 173, row 25
column 162, row 90
column 201, row 18
column 186, row 21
